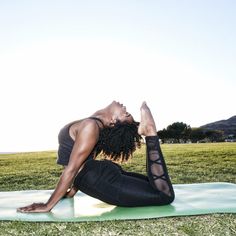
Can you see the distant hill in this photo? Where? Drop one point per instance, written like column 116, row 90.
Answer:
column 228, row 126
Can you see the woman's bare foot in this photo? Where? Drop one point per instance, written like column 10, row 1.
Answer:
column 147, row 125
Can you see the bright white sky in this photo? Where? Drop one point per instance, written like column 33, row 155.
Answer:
column 63, row 60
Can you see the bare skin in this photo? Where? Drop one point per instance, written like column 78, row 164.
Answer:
column 147, row 125
column 85, row 134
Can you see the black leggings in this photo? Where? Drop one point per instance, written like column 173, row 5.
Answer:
column 108, row 182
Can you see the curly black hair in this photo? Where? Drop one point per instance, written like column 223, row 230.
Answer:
column 119, row 142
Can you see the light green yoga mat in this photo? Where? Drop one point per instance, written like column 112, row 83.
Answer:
column 191, row 199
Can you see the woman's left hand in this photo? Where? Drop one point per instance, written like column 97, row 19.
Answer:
column 35, row 207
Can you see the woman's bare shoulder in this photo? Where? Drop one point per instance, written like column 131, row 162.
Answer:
column 81, row 126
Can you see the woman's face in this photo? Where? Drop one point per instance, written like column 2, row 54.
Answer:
column 121, row 114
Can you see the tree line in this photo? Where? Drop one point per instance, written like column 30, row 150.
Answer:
column 180, row 132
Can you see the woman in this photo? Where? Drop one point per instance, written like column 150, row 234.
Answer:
column 81, row 141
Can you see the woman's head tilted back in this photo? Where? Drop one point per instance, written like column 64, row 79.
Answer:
column 118, row 141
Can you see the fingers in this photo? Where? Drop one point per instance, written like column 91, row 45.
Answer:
column 35, row 207
column 25, row 208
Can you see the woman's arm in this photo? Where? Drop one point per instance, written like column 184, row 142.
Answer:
column 85, row 141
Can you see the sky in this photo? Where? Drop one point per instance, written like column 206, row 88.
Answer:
column 63, row 60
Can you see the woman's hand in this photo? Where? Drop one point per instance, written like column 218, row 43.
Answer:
column 35, row 207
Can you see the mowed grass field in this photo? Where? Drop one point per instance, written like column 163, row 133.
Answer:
column 187, row 163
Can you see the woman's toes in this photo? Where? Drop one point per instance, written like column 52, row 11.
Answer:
column 147, row 125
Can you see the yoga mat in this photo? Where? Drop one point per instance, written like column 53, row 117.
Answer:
column 191, row 199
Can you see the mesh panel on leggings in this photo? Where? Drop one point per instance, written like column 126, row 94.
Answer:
column 157, row 173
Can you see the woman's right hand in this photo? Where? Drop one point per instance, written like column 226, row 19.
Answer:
column 35, row 208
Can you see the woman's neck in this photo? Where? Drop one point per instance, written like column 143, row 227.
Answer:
column 104, row 116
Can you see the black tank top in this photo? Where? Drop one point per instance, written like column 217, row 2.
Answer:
column 66, row 143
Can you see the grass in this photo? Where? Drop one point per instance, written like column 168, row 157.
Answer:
column 187, row 163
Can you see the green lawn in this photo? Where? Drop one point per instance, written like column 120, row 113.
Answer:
column 187, row 163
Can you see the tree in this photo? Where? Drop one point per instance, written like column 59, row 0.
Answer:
column 215, row 135
column 196, row 134
column 163, row 135
column 178, row 130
